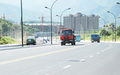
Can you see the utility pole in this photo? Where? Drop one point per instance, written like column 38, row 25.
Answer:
column 22, row 23
column 42, row 20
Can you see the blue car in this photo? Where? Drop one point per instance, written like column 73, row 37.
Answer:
column 95, row 38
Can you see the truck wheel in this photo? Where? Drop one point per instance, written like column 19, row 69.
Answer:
column 98, row 41
column 27, row 44
column 73, row 43
column 62, row 43
column 92, row 41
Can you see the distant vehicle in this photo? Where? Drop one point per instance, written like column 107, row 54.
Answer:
column 78, row 38
column 31, row 40
column 95, row 38
column 67, row 36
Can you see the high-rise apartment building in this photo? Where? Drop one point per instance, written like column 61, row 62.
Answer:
column 93, row 22
column 69, row 21
column 81, row 22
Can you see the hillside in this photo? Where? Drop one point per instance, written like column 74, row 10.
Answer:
column 12, row 13
column 102, row 12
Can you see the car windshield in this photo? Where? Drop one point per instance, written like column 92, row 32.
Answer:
column 66, row 32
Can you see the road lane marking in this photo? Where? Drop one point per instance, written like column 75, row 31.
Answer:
column 106, row 49
column 83, row 60
column 47, row 74
column 102, row 51
column 66, row 67
column 91, row 56
column 39, row 55
column 98, row 53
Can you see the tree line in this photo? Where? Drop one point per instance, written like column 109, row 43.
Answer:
column 110, row 30
column 14, row 30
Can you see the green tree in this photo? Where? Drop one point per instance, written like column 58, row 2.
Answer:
column 105, row 33
column 112, row 27
column 118, row 31
column 9, row 29
column 30, row 31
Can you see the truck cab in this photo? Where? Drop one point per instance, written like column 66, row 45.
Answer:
column 95, row 38
column 67, row 36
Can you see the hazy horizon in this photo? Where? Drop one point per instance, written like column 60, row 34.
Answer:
column 77, row 5
column 88, row 7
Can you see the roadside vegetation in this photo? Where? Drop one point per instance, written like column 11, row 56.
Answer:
column 10, row 33
column 107, row 33
column 7, row 40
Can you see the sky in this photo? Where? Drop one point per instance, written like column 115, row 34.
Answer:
column 75, row 5
column 84, row 6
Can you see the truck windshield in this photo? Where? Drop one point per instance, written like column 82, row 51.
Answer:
column 96, row 35
column 66, row 32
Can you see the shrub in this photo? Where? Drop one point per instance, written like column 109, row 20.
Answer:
column 118, row 31
column 7, row 40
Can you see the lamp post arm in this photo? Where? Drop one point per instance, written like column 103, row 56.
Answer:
column 62, row 14
column 64, row 11
column 53, row 4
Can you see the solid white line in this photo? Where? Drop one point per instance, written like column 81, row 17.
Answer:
column 66, row 67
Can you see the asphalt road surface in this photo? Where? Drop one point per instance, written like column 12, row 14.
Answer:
column 82, row 59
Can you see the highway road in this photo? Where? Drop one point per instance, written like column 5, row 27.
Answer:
column 83, row 59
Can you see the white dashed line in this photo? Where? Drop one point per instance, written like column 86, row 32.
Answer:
column 91, row 56
column 47, row 74
column 82, row 60
column 98, row 53
column 66, row 67
column 102, row 50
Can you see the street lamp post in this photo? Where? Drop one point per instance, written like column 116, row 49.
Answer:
column 115, row 22
column 51, row 8
column 62, row 15
column 59, row 21
column 22, row 23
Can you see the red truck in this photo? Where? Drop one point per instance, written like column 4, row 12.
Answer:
column 67, row 36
